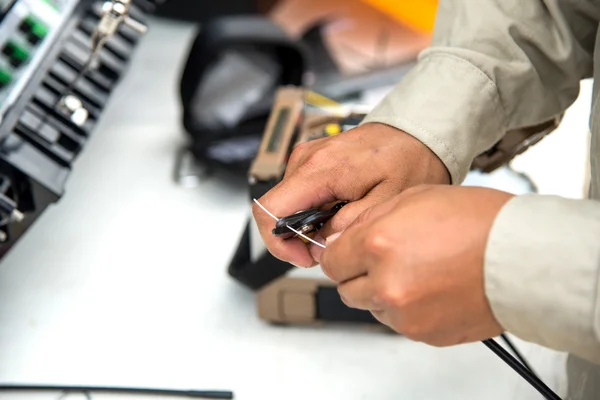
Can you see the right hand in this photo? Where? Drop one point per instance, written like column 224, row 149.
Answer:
column 364, row 166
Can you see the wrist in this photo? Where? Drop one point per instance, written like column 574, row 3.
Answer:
column 423, row 166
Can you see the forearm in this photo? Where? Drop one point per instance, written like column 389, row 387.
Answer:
column 542, row 268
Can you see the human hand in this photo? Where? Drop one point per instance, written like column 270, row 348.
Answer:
column 416, row 262
column 364, row 166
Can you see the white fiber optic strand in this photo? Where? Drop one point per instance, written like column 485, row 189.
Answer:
column 289, row 227
column 265, row 210
column 305, row 237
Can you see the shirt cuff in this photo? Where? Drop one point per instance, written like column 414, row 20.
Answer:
column 541, row 272
column 449, row 105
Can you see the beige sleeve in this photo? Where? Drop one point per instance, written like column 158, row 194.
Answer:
column 542, row 272
column 493, row 66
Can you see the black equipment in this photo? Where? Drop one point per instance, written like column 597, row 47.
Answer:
column 305, row 222
column 50, row 102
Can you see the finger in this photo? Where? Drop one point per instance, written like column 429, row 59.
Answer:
column 345, row 259
column 359, row 293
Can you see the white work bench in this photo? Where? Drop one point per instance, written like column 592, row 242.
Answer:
column 124, row 283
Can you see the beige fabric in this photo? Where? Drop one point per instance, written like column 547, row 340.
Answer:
column 496, row 65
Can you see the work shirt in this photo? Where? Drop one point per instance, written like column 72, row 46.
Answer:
column 494, row 66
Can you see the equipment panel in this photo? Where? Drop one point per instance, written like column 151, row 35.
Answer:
column 60, row 60
column 28, row 30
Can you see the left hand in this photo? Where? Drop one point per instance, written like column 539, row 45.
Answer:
column 416, row 262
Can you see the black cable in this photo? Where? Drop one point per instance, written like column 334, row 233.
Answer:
column 205, row 394
column 516, row 352
column 521, row 370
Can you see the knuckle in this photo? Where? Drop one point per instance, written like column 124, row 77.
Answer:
column 323, row 156
column 316, row 158
column 390, row 295
column 386, row 297
column 298, row 153
column 301, row 148
column 377, row 243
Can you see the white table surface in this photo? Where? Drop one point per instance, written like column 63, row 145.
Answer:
column 124, row 282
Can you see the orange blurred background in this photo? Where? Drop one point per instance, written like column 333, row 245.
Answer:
column 364, row 34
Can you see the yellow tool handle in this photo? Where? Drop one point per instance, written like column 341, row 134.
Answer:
column 319, row 101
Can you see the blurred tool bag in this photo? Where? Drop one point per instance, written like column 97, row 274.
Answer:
column 234, row 67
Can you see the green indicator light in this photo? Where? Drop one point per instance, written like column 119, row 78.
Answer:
column 34, row 29
column 19, row 53
column 28, row 23
column 5, row 77
column 39, row 30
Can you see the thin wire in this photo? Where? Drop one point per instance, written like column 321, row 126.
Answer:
column 265, row 210
column 289, row 227
column 521, row 370
column 517, row 353
column 305, row 237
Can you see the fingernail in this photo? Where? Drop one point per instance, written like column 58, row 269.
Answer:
column 317, row 251
column 332, row 238
column 305, row 266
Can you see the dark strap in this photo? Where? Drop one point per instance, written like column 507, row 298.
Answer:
column 258, row 274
